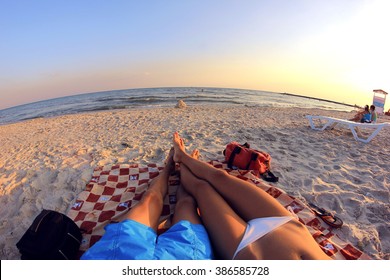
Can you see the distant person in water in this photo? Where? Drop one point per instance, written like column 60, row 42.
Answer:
column 374, row 115
column 243, row 221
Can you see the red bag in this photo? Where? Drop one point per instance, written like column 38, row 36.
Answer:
column 243, row 157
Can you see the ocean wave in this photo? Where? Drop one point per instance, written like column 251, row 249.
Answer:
column 158, row 97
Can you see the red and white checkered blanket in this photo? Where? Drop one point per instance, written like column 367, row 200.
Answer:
column 114, row 189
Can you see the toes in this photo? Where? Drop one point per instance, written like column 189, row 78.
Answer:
column 195, row 154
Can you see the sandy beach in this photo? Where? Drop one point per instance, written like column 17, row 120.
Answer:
column 45, row 163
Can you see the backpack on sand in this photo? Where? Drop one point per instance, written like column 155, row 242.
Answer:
column 52, row 236
column 243, row 157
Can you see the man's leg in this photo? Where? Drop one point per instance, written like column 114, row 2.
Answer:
column 224, row 226
column 186, row 207
column 148, row 210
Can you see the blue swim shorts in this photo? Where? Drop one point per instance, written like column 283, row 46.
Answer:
column 130, row 240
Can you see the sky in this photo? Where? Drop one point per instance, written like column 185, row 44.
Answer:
column 332, row 49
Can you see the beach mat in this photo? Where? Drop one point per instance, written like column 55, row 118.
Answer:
column 111, row 192
column 114, row 189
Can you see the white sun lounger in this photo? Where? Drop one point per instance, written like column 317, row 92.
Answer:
column 331, row 122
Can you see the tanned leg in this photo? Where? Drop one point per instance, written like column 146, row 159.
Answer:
column 214, row 190
column 224, row 226
column 186, row 207
column 247, row 200
column 148, row 210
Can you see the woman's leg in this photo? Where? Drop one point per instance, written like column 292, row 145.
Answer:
column 224, row 226
column 148, row 210
column 247, row 200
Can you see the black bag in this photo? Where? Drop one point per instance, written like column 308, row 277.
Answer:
column 52, row 236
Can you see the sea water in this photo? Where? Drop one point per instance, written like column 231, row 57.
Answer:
column 160, row 97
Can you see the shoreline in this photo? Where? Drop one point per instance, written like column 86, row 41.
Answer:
column 221, row 105
column 321, row 99
column 161, row 97
column 46, row 162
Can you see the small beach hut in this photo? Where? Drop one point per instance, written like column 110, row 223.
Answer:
column 379, row 100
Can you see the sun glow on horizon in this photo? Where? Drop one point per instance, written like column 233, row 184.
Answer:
column 336, row 50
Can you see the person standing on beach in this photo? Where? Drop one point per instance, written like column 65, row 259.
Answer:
column 135, row 238
column 243, row 221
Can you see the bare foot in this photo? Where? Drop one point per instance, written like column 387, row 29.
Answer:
column 178, row 146
column 195, row 154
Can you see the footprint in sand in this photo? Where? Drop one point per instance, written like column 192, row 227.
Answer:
column 378, row 213
column 336, row 167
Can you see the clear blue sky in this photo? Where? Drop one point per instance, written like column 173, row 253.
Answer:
column 330, row 49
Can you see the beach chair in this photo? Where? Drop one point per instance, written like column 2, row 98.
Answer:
column 353, row 126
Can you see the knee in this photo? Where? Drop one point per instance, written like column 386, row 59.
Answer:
column 152, row 196
column 186, row 201
column 198, row 187
column 220, row 174
column 217, row 174
column 202, row 184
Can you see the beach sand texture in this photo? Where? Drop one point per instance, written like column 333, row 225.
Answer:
column 45, row 163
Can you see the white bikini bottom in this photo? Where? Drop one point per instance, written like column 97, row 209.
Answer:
column 259, row 227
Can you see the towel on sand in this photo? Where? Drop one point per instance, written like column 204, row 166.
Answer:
column 114, row 189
